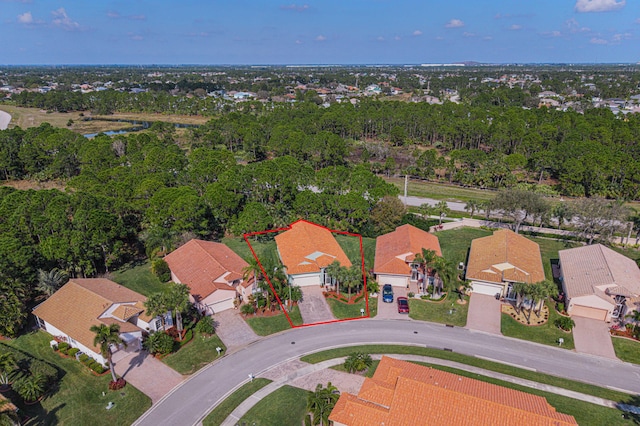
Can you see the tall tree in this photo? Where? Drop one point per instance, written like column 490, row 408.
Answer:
column 177, row 298
column 426, row 259
column 50, row 282
column 472, row 206
column 443, row 210
column 105, row 336
column 321, row 402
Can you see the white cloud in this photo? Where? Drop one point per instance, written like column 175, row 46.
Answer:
column 596, row 40
column 62, row 20
column 599, row 5
column 26, row 18
column 113, row 14
column 439, row 38
column 574, row 27
column 397, row 38
column 380, row 38
column 295, row 7
column 135, row 37
column 515, row 27
column 298, row 42
column 487, row 38
column 454, row 23
column 417, row 33
column 116, row 15
column 619, row 37
column 551, row 34
column 321, row 38
column 468, row 34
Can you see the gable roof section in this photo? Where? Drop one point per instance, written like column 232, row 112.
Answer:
column 422, row 395
column 395, row 249
column 205, row 266
column 505, row 256
column 588, row 267
column 307, row 247
column 77, row 305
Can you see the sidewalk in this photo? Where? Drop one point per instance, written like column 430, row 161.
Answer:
column 303, row 371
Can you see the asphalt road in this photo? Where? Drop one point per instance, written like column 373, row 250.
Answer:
column 189, row 402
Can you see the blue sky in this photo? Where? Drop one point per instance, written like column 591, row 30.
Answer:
column 317, row 32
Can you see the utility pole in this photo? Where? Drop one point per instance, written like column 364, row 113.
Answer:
column 406, row 184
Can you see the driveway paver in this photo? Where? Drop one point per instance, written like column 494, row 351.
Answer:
column 149, row 375
column 232, row 329
column 591, row 336
column 313, row 307
column 390, row 310
column 484, row 313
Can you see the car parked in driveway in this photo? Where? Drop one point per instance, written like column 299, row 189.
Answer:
column 403, row 305
column 387, row 293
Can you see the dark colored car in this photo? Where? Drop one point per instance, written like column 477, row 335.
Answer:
column 387, row 293
column 403, row 305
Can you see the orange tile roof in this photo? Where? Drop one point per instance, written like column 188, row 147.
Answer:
column 505, row 256
column 78, row 305
column 395, row 250
column 205, row 266
column 124, row 312
column 422, row 395
column 307, row 247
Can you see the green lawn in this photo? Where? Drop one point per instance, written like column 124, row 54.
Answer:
column 343, row 310
column 627, row 350
column 226, row 407
column 547, row 334
column 441, row 312
column 351, row 247
column 195, row 354
column 440, row 191
column 78, row 400
column 263, row 249
column 456, row 242
column 286, row 406
column 139, row 278
column 476, row 362
column 549, row 250
column 584, row 412
column 263, row 326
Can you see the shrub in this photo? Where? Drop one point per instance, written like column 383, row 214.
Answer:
column 63, row 346
column 40, row 368
column 63, row 350
column 247, row 309
column 83, row 358
column 358, row 361
column 411, row 295
column 97, row 367
column 159, row 343
column 118, row 384
column 205, row 325
column 564, row 323
column 187, row 338
column 73, row 351
column 160, row 269
column 560, row 307
column 30, row 388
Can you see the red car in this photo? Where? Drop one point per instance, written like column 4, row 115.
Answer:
column 403, row 305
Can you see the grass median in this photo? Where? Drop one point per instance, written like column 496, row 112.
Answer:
column 226, row 407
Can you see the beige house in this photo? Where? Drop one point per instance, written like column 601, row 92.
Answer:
column 599, row 283
column 395, row 254
column 213, row 273
column 71, row 311
column 499, row 260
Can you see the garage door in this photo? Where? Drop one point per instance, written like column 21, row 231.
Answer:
column 306, row 280
column 484, row 288
column 588, row 312
column 222, row 305
column 393, row 280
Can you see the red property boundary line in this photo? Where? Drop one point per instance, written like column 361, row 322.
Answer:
column 286, row 228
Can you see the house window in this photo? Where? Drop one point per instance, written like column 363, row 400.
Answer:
column 415, row 274
column 158, row 324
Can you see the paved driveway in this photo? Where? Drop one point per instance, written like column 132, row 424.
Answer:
column 592, row 336
column 233, row 330
column 152, row 377
column 484, row 313
column 390, row 310
column 313, row 307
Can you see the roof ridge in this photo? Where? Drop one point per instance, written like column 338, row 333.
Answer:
column 111, row 302
column 207, row 252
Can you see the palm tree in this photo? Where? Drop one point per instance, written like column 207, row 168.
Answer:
column 7, row 368
column 30, row 388
column 521, row 290
column 425, row 259
column 472, row 206
column 50, row 282
column 321, row 402
column 156, row 306
column 107, row 335
column 253, row 269
column 544, row 290
column 357, row 361
column 335, row 272
column 446, row 276
column 443, row 210
column 426, row 210
column 177, row 298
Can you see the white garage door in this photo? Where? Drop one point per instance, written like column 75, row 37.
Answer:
column 222, row 305
column 306, row 280
column 484, row 288
column 394, row 280
column 588, row 312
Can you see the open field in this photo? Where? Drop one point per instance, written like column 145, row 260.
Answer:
column 33, row 117
column 139, row 278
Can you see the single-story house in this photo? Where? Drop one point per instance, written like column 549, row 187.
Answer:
column 306, row 249
column 395, row 254
column 499, row 260
column 599, row 282
column 71, row 311
column 213, row 273
column 404, row 393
